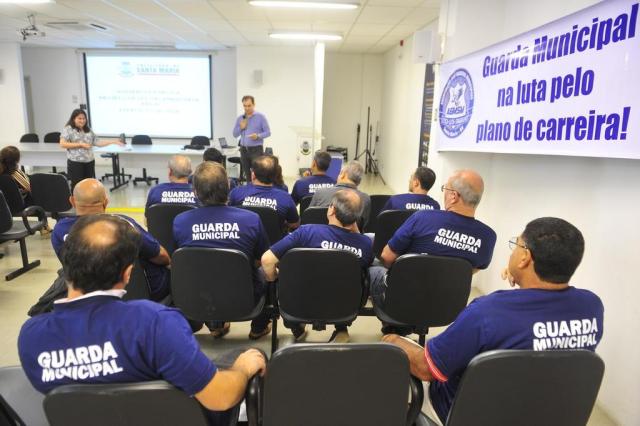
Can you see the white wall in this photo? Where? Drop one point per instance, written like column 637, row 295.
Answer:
column 353, row 82
column 224, row 93
column 285, row 97
column 13, row 123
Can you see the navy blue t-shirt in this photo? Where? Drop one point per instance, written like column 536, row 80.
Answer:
column 511, row 319
column 411, row 201
column 159, row 276
column 309, row 185
column 443, row 233
column 265, row 196
column 327, row 237
column 102, row 339
column 171, row 193
column 221, row 227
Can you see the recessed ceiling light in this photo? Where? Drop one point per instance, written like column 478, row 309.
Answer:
column 304, row 4
column 305, row 36
column 27, row 1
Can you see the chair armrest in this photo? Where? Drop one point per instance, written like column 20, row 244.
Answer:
column 253, row 397
column 36, row 211
column 417, row 398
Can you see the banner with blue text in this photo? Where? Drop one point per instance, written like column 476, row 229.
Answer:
column 570, row 87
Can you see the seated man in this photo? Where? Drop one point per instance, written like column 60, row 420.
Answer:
column 89, row 198
column 262, row 193
column 196, row 228
column 349, row 178
column 421, row 182
column 318, row 179
column 212, row 154
column 93, row 337
column 178, row 190
column 341, row 233
column 542, row 261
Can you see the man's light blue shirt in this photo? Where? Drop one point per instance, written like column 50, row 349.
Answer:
column 257, row 123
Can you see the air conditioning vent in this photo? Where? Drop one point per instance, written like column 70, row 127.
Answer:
column 76, row 26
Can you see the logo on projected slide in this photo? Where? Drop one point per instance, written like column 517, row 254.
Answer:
column 456, row 103
column 125, row 69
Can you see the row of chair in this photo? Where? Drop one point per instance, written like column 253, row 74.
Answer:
column 317, row 385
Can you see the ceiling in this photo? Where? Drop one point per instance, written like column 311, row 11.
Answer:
column 374, row 27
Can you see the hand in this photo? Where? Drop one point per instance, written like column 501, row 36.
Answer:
column 251, row 362
column 390, row 338
column 253, row 136
column 243, row 124
column 117, row 142
column 84, row 145
column 306, row 173
column 506, row 275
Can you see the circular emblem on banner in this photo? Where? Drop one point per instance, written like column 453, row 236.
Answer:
column 456, row 103
column 305, row 148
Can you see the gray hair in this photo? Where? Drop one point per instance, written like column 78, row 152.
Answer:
column 180, row 166
column 210, row 183
column 470, row 196
column 354, row 171
column 348, row 206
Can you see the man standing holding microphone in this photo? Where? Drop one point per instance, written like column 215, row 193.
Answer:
column 252, row 128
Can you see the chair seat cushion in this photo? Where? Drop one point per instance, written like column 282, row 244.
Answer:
column 17, row 231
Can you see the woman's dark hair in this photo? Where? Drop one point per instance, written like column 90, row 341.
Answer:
column 9, row 159
column 95, row 255
column 72, row 123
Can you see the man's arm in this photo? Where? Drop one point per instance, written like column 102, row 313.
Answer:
column 266, row 131
column 269, row 264
column 236, row 128
column 415, row 353
column 227, row 388
column 162, row 258
column 388, row 256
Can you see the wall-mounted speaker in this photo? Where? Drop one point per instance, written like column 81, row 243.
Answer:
column 426, row 46
column 258, row 77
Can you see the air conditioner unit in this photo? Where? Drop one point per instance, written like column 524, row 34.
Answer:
column 76, row 26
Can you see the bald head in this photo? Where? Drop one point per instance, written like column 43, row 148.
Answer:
column 179, row 167
column 89, row 196
column 348, row 206
column 469, row 184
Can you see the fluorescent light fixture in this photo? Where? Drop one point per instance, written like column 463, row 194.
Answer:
column 26, row 1
column 304, row 4
column 305, row 36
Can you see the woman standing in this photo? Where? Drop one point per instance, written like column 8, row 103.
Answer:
column 78, row 139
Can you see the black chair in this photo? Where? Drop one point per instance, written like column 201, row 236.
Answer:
column 334, row 384
column 51, row 192
column 314, row 215
column 304, row 203
column 516, row 387
column 271, row 222
column 141, row 404
column 160, row 222
column 53, row 137
column 236, row 160
column 377, row 203
column 425, row 291
column 332, row 294
column 138, row 287
column 143, row 140
column 387, row 224
column 30, row 138
column 210, row 284
column 21, row 400
column 200, row 140
column 11, row 230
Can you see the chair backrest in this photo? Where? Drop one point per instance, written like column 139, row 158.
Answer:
column 141, row 140
column 304, row 203
column 148, row 403
column 427, row 291
column 319, row 286
column 6, row 218
column 330, row 384
column 387, row 223
column 50, row 191
column 53, row 137
column 377, row 203
column 212, row 284
column 138, row 287
column 160, row 222
column 21, row 397
column 509, row 387
column 30, row 138
column 316, row 215
column 200, row 140
column 270, row 220
column 14, row 200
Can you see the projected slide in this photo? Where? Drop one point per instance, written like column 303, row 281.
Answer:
column 161, row 96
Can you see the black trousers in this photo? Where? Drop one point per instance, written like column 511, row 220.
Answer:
column 247, row 155
column 78, row 171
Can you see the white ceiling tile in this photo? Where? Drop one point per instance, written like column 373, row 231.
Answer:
column 370, row 29
column 383, row 15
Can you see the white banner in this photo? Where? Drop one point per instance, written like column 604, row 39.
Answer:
column 571, row 87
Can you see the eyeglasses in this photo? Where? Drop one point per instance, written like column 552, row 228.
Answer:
column 513, row 242
column 444, row 188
